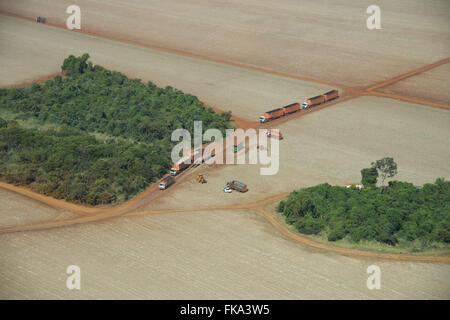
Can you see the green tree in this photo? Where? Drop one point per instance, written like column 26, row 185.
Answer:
column 386, row 167
column 369, row 177
column 73, row 66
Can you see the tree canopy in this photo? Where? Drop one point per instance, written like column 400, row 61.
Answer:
column 386, row 167
column 369, row 177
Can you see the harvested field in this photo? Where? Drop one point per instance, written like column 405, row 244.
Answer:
column 324, row 40
column 234, row 253
column 216, row 84
column 17, row 210
column 208, row 255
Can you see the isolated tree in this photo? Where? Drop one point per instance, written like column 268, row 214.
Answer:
column 386, row 167
column 369, row 177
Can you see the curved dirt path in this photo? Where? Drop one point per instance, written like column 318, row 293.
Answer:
column 80, row 209
column 283, row 228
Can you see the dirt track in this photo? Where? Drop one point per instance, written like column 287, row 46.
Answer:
column 430, row 85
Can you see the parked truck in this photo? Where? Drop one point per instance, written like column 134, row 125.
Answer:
column 271, row 115
column 236, row 185
column 166, row 182
column 41, row 20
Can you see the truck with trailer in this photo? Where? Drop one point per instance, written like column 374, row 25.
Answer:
column 314, row 101
column 294, row 107
column 271, row 115
column 331, row 95
column 180, row 165
column 291, row 108
column 192, row 157
column 279, row 112
column 166, row 182
column 238, row 186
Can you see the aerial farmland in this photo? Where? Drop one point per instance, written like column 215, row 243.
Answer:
column 202, row 238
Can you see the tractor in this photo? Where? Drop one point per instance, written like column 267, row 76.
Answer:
column 201, row 179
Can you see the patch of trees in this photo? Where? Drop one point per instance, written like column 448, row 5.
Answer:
column 388, row 214
column 137, row 120
column 70, row 164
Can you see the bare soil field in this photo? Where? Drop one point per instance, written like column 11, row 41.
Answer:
column 332, row 146
column 232, row 254
column 17, row 210
column 431, row 85
column 247, row 93
column 207, row 255
column 324, row 40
